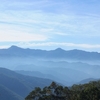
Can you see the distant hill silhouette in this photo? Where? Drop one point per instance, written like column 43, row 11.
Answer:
column 51, row 54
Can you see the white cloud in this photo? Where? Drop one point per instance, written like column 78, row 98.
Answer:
column 22, row 4
column 39, row 25
column 57, row 44
column 46, row 30
column 49, row 22
column 15, row 36
column 53, row 45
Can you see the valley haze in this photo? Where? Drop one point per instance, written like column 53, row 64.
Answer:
column 65, row 67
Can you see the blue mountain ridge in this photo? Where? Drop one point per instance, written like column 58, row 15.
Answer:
column 51, row 54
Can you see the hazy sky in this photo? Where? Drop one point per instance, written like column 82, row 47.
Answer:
column 49, row 24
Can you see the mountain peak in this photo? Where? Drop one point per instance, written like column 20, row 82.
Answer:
column 13, row 47
column 59, row 49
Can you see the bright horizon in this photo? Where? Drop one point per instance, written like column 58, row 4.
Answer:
column 50, row 24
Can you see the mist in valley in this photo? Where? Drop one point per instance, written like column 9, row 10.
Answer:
column 61, row 70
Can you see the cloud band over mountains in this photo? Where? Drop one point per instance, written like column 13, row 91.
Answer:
column 60, row 23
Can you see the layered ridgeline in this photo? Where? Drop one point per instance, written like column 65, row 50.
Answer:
column 66, row 67
column 53, row 54
column 14, row 86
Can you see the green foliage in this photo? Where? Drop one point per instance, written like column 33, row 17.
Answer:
column 89, row 91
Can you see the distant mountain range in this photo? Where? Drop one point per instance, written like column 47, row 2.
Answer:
column 51, row 54
column 14, row 86
column 39, row 67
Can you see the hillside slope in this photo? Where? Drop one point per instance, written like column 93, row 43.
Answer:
column 7, row 94
column 20, row 84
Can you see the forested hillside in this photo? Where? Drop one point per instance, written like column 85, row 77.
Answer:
column 8, row 94
column 14, row 86
column 89, row 91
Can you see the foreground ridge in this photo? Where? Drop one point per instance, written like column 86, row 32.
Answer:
column 89, row 91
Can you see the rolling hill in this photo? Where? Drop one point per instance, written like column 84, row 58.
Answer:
column 7, row 94
column 18, row 86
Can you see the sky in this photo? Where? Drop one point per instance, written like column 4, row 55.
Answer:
column 50, row 24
